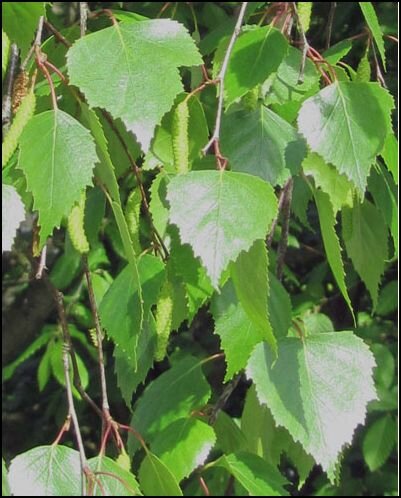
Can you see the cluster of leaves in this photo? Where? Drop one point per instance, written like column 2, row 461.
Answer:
column 175, row 240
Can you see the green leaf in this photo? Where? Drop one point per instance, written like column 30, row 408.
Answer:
column 317, row 388
column 373, row 24
column 280, row 310
column 390, row 155
column 5, row 487
column 158, row 205
column 250, row 274
column 120, row 308
column 156, row 478
column 119, row 78
column 65, row 151
column 230, row 437
column 66, row 267
column 118, row 481
column 331, row 243
column 13, row 212
column 326, row 177
column 20, row 21
column 317, row 323
column 384, row 192
column 257, row 53
column 337, row 124
column 46, row 471
column 215, row 212
column 173, row 395
column 379, row 442
column 254, row 473
column 37, row 344
column 129, row 375
column 261, row 143
column 185, row 443
column 337, row 52
column 238, row 334
column 24, row 113
column 365, row 238
column 384, row 373
column 388, row 299
column 44, row 370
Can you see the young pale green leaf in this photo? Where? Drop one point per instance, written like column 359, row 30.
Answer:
column 117, row 481
column 5, row 487
column 331, row 243
column 24, row 114
column 156, row 478
column 46, row 471
column 186, row 443
column 337, row 124
column 379, row 442
column 337, row 186
column 257, row 53
column 261, row 143
column 129, row 374
column 13, row 212
column 119, row 77
column 238, row 334
column 20, row 21
column 173, row 395
column 317, row 388
column 374, row 26
column 215, row 212
column 365, row 236
column 254, row 473
column 120, row 308
column 57, row 156
column 250, row 274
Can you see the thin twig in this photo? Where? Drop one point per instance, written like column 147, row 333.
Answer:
column 83, row 17
column 330, row 21
column 57, row 34
column 58, row 296
column 219, row 405
column 275, row 221
column 42, row 263
column 285, row 225
column 305, row 44
column 379, row 74
column 40, row 59
column 6, row 108
column 99, row 337
column 216, row 133
column 204, row 487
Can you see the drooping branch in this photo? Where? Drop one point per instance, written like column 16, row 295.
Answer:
column 220, row 78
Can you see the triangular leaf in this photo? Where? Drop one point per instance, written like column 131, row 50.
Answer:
column 238, row 334
column 173, row 395
column 156, row 478
column 117, row 482
column 379, row 442
column 261, row 143
column 257, row 53
column 216, row 213
column 254, row 473
column 125, row 76
column 337, row 124
column 46, row 471
column 365, row 236
column 57, row 156
column 187, row 442
column 250, row 274
column 317, row 388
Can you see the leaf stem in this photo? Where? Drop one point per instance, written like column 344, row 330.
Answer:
column 223, row 398
column 220, row 78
